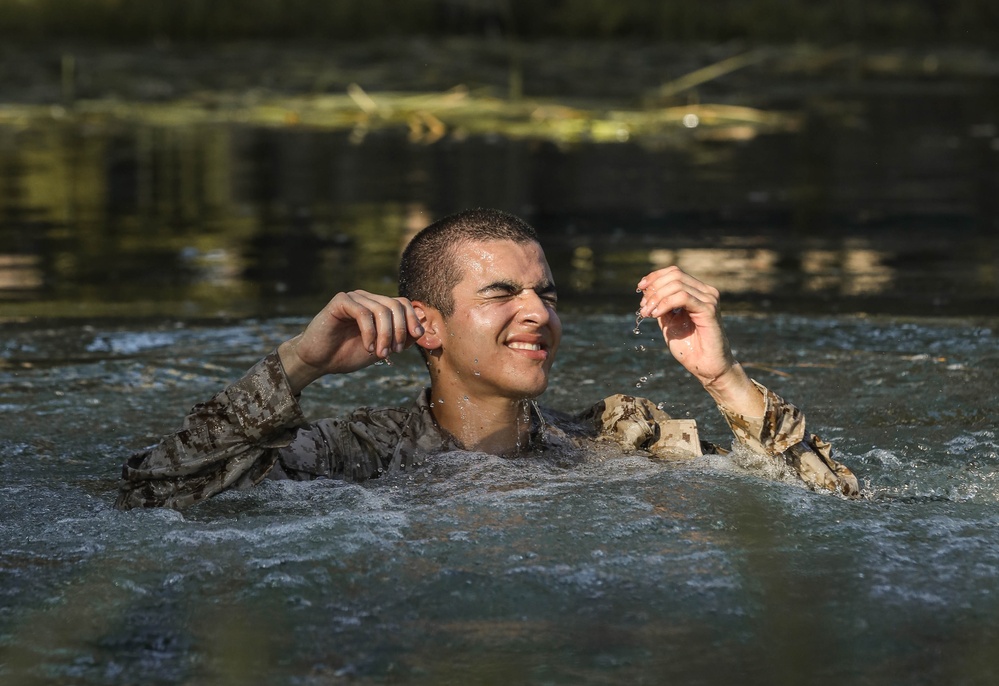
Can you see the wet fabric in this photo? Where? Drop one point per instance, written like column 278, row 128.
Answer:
column 780, row 432
column 255, row 429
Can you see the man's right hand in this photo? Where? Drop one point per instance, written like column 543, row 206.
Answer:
column 354, row 330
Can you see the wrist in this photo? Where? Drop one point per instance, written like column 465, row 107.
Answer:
column 299, row 373
column 736, row 392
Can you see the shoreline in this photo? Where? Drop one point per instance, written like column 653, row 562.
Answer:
column 618, row 72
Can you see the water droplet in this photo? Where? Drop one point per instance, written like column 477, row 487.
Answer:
column 441, row 401
column 388, row 362
column 638, row 322
column 466, row 398
column 475, row 361
column 638, row 385
column 478, row 373
column 643, row 379
column 661, row 406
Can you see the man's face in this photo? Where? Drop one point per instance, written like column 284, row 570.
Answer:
column 501, row 339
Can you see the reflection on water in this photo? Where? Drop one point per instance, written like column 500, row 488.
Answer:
column 853, row 270
column 883, row 208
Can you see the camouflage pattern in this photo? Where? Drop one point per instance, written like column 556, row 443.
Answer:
column 255, row 429
column 637, row 424
column 780, row 433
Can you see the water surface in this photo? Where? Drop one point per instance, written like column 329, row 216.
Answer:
column 478, row 569
column 143, row 265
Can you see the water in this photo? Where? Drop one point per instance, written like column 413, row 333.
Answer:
column 144, row 264
column 882, row 202
column 477, row 569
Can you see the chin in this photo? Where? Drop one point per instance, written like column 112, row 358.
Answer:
column 535, row 390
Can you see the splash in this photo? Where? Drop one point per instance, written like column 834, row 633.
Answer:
column 638, row 323
column 541, row 420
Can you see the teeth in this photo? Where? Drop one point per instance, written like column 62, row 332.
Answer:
column 524, row 346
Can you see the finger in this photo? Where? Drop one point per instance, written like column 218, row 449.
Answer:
column 415, row 328
column 670, row 283
column 678, row 295
column 671, row 273
column 385, row 319
column 666, row 284
column 401, row 321
column 353, row 306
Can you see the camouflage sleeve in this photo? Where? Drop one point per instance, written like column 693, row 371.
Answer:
column 780, row 432
column 226, row 442
column 637, row 423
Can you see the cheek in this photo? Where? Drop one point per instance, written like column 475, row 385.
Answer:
column 483, row 323
column 555, row 324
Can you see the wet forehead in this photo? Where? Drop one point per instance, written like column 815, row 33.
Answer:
column 482, row 262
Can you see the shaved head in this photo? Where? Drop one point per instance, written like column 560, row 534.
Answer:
column 429, row 271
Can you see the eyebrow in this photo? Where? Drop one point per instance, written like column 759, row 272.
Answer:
column 543, row 288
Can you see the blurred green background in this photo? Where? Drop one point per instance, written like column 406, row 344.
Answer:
column 710, row 20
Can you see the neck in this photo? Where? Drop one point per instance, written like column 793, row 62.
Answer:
column 498, row 426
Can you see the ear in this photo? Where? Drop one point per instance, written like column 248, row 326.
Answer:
column 432, row 323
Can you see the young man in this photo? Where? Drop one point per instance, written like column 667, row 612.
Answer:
column 478, row 299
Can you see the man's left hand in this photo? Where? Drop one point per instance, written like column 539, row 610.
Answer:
column 687, row 311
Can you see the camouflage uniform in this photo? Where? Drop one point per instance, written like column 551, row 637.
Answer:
column 254, row 429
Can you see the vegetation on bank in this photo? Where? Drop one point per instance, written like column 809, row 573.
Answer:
column 822, row 21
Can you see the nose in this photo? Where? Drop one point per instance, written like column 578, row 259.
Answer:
column 533, row 309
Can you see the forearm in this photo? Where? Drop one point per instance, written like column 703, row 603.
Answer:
column 779, row 431
column 224, row 442
column 735, row 392
column 298, row 373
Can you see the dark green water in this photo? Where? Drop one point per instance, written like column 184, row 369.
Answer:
column 884, row 200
